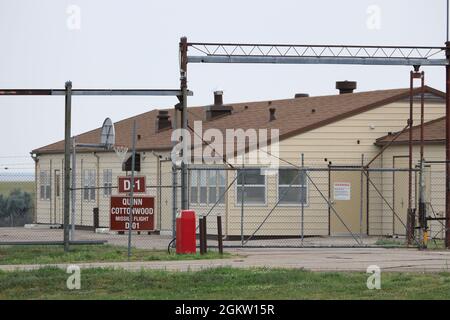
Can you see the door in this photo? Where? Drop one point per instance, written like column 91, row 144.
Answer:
column 57, row 206
column 400, row 195
column 349, row 201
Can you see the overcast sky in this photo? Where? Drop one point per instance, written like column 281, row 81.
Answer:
column 134, row 44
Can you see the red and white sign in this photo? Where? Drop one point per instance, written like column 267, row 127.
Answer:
column 124, row 184
column 143, row 213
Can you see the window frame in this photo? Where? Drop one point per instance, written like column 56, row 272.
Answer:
column 306, row 185
column 46, row 183
column 239, row 203
column 107, row 185
column 89, row 187
column 198, row 187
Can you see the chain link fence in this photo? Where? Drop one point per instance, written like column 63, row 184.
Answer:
column 333, row 206
column 294, row 206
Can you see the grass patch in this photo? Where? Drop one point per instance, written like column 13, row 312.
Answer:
column 89, row 253
column 7, row 186
column 220, row 283
column 390, row 243
column 398, row 243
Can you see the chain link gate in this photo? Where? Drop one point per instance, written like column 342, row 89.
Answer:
column 333, row 206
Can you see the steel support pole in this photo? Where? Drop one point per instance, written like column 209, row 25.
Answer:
column 219, row 234
column 447, row 152
column 184, row 120
column 422, row 209
column 361, row 200
column 409, row 217
column 133, row 160
column 67, row 135
column 303, row 176
column 74, row 186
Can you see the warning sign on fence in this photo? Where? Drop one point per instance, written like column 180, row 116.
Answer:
column 143, row 213
column 342, row 190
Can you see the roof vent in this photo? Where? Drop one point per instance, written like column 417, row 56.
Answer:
column 301, row 95
column 162, row 121
column 218, row 108
column 272, row 114
column 345, row 86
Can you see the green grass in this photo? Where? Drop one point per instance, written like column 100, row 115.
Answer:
column 397, row 243
column 89, row 253
column 390, row 243
column 7, row 186
column 220, row 283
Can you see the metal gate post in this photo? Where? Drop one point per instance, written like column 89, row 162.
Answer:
column 242, row 206
column 303, row 198
column 67, row 134
column 447, row 150
column 174, row 200
column 361, row 200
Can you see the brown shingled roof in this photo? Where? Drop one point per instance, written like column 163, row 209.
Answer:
column 293, row 116
column 434, row 132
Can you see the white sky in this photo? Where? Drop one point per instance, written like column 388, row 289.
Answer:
column 134, row 44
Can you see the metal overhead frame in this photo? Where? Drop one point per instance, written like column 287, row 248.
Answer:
column 416, row 56
column 68, row 92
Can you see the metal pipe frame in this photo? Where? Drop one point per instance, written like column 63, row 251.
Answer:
column 209, row 52
column 93, row 92
column 68, row 92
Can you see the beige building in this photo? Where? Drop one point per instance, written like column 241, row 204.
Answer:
column 330, row 131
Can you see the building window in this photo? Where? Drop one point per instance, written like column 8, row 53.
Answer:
column 254, row 184
column 207, row 187
column 107, row 182
column 89, row 185
column 292, row 187
column 45, row 186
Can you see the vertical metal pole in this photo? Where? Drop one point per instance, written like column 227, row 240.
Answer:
column 174, row 200
column 409, row 217
column 133, row 159
column 219, row 234
column 67, row 135
column 422, row 210
column 184, row 119
column 448, row 8
column 201, row 228
column 242, row 204
column 361, row 200
column 74, row 186
column 422, row 114
column 447, row 151
column 302, row 176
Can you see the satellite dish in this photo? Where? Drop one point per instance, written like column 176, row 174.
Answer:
column 108, row 136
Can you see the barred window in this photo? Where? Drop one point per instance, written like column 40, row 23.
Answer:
column 44, row 185
column 89, row 185
column 292, row 187
column 107, row 182
column 254, row 185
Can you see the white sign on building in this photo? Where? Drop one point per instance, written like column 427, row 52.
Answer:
column 342, row 190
